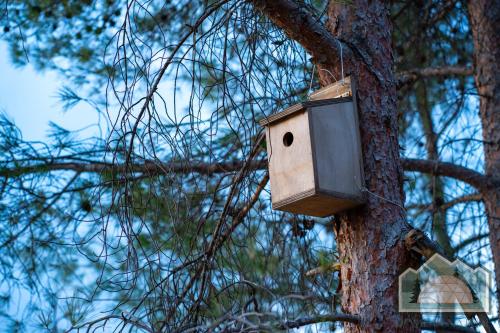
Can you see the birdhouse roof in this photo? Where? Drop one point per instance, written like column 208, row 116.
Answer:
column 299, row 108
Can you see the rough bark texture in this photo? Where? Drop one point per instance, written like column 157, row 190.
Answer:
column 485, row 24
column 370, row 239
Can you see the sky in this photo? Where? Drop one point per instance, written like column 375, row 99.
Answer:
column 29, row 98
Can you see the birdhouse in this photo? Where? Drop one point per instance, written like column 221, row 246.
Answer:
column 314, row 153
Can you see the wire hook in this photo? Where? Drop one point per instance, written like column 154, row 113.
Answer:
column 312, row 77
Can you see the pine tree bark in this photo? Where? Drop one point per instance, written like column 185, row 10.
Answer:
column 485, row 25
column 370, row 238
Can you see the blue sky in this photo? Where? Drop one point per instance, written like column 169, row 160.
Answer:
column 29, row 98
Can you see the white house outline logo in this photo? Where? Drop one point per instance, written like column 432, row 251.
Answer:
column 443, row 286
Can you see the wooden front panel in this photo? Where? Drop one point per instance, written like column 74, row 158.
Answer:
column 290, row 167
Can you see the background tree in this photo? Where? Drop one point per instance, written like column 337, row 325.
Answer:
column 170, row 211
column 484, row 18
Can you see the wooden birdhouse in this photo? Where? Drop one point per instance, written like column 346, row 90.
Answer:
column 314, row 153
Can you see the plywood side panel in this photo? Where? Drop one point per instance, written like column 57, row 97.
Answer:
column 336, row 148
column 290, row 168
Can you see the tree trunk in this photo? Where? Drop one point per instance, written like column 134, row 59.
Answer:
column 370, row 239
column 436, row 186
column 485, row 24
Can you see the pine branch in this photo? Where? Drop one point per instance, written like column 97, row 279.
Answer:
column 475, row 197
column 329, row 268
column 147, row 167
column 353, row 319
column 438, row 168
column 301, row 26
column 409, row 76
column 330, row 318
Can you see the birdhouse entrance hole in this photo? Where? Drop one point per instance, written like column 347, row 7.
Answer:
column 288, row 139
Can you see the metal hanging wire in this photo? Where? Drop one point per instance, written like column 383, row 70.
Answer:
column 326, row 70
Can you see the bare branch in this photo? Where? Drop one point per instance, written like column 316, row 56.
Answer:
column 319, row 319
column 410, row 76
column 301, row 26
column 334, row 266
column 438, row 168
column 148, row 167
column 125, row 318
column 466, row 242
column 340, row 317
column 159, row 76
column 463, row 199
column 446, row 327
column 475, row 197
column 417, row 241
